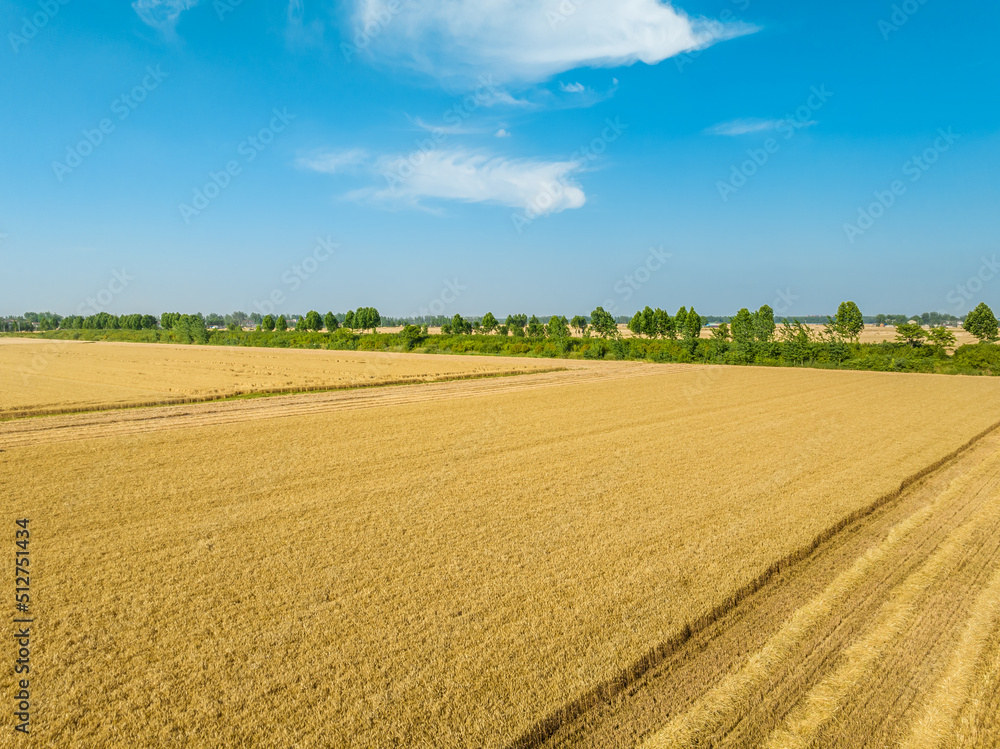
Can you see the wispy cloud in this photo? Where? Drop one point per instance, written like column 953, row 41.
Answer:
column 749, row 126
column 524, row 41
column 472, row 177
column 298, row 31
column 161, row 14
column 572, row 88
column 502, row 133
column 448, row 129
column 334, row 162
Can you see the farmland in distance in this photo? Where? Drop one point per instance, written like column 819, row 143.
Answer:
column 62, row 376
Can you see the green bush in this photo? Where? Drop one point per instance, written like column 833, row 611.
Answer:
column 981, row 356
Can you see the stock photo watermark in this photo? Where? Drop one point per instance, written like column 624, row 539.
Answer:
column 293, row 278
column 716, row 26
column 371, row 30
column 915, row 168
column 33, row 24
column 630, row 283
column 961, row 297
column 122, row 107
column 92, row 305
column 786, row 127
column 449, row 295
column 901, row 14
column 551, row 191
column 784, row 301
column 407, row 166
column 225, row 7
column 249, row 149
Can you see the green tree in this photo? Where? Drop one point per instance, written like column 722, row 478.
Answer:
column 281, row 324
column 663, row 324
column 349, row 320
column 721, row 333
column 680, row 320
column 910, row 333
column 267, row 323
column 535, row 327
column 649, row 322
column 743, row 329
column 412, row 336
column 460, row 326
column 313, row 320
column 167, row 320
column 692, row 330
column 942, row 337
column 330, row 322
column 763, row 324
column 982, row 323
column 849, row 321
column 516, row 323
column 558, row 327
column 603, row 323
column 489, row 323
column 367, row 318
column 580, row 323
column 637, row 324
column 191, row 328
column 300, row 324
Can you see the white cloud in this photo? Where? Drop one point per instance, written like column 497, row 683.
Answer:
column 334, row 162
column 439, row 129
column 540, row 187
column 528, row 41
column 298, row 31
column 572, row 88
column 502, row 133
column 162, row 14
column 748, row 126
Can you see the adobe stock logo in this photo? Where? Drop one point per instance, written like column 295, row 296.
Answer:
column 249, row 149
column 122, row 107
column 99, row 302
column 915, row 168
column 962, row 295
column 48, row 9
column 787, row 128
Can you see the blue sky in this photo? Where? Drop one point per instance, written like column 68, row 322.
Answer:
column 501, row 155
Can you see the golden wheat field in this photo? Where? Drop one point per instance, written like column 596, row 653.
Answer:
column 55, row 376
column 617, row 554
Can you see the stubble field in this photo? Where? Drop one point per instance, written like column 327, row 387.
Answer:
column 42, row 377
column 521, row 561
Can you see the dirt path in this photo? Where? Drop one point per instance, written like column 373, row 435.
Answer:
column 71, row 427
column 886, row 636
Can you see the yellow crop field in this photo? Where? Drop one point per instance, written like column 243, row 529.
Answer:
column 55, row 376
column 520, row 561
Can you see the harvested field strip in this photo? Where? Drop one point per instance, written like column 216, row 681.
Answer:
column 932, row 569
column 827, row 699
column 237, row 394
column 117, row 422
column 975, row 726
column 69, row 376
column 937, row 727
column 448, row 571
column 725, row 701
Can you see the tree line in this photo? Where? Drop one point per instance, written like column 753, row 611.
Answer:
column 742, row 330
